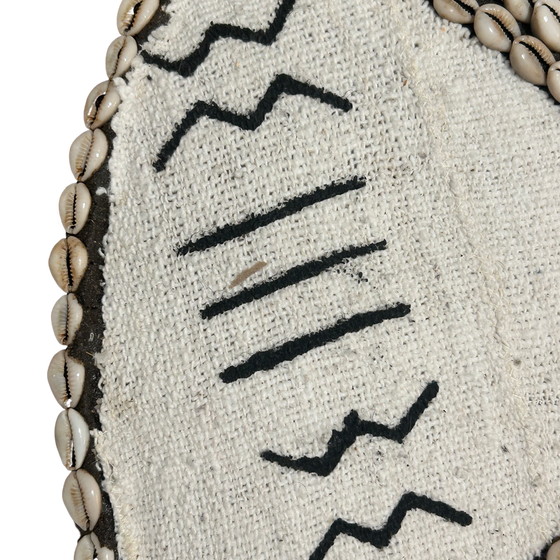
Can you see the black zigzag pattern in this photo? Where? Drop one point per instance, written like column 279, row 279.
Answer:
column 380, row 538
column 187, row 66
column 355, row 427
column 282, row 84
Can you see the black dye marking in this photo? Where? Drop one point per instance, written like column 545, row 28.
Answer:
column 187, row 66
column 269, row 359
column 292, row 276
column 506, row 31
column 355, row 427
column 282, row 84
column 380, row 538
column 254, row 222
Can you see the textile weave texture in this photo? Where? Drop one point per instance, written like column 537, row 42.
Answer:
column 382, row 380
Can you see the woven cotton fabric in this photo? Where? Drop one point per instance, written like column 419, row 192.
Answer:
column 456, row 167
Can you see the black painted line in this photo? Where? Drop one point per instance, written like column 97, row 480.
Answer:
column 380, row 538
column 186, row 66
column 292, row 276
column 269, row 359
column 355, row 427
column 254, row 222
column 282, row 84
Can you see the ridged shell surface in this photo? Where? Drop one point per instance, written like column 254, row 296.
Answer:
column 74, row 207
column 87, row 154
column 134, row 15
column 119, row 56
column 71, row 434
column 66, row 379
column 82, row 498
column 495, row 27
column 457, row 11
column 521, row 10
column 553, row 81
column 90, row 548
column 531, row 59
column 101, row 104
column 545, row 22
column 68, row 263
column 66, row 318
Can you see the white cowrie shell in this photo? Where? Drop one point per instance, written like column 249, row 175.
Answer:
column 82, row 498
column 101, row 104
column 531, row 59
column 68, row 263
column 495, row 27
column 545, row 22
column 87, row 154
column 119, row 56
column 553, row 81
column 66, row 318
column 457, row 11
column 74, row 206
column 521, row 10
column 90, row 548
column 66, row 379
column 134, row 15
column 71, row 435
column 554, row 552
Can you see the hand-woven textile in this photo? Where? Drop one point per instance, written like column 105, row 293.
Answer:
column 331, row 303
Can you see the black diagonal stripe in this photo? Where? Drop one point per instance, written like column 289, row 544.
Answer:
column 292, row 276
column 187, row 66
column 254, row 222
column 269, row 359
column 380, row 538
column 282, row 84
column 355, row 427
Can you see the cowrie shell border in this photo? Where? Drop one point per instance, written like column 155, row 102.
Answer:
column 62, row 346
column 525, row 31
column 90, row 534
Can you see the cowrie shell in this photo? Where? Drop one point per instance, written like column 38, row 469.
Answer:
column 82, row 498
column 119, row 56
column 134, row 15
column 90, row 548
column 66, row 318
column 545, row 22
column 457, row 11
column 66, row 379
column 553, row 83
column 68, row 263
column 495, row 27
column 521, row 10
column 531, row 59
column 71, row 435
column 87, row 154
column 74, row 207
column 554, row 552
column 101, row 104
